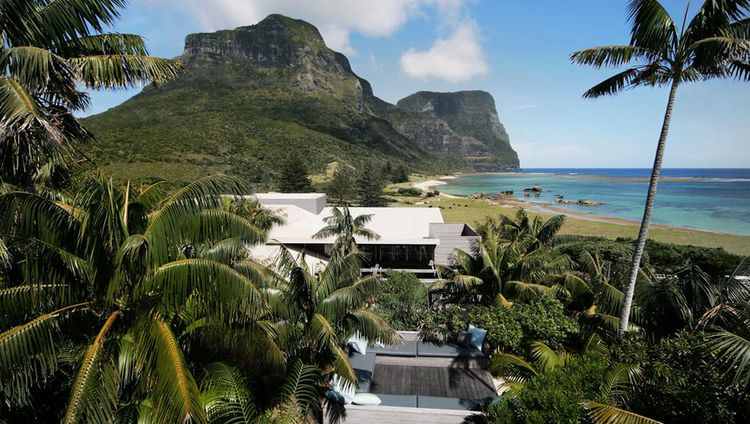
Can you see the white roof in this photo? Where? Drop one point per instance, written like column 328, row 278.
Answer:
column 289, row 196
column 393, row 225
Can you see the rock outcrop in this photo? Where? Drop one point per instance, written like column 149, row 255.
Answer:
column 476, row 131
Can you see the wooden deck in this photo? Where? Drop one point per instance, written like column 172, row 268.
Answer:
column 461, row 383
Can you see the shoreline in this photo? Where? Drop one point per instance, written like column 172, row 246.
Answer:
column 540, row 207
column 597, row 177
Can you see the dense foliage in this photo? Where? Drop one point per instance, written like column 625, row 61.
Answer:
column 511, row 329
column 402, row 302
column 555, row 396
column 680, row 382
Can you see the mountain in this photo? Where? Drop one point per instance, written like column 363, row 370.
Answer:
column 252, row 96
column 472, row 116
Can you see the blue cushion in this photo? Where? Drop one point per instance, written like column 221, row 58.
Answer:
column 477, row 337
column 409, row 401
column 434, row 402
column 405, row 348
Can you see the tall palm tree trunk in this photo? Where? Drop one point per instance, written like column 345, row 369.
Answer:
column 643, row 233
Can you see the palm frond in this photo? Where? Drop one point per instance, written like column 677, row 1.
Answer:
column 525, row 291
column 302, row 386
column 610, row 56
column 5, row 256
column 343, row 299
column 175, row 395
column 95, row 389
column 33, row 66
column 108, row 43
column 545, row 358
column 618, row 380
column 27, row 354
column 602, row 413
column 228, row 290
column 22, row 301
column 166, row 225
column 66, row 19
column 613, row 84
column 226, row 395
column 512, row 367
column 733, row 352
column 652, row 27
column 37, row 217
column 371, row 326
column 123, row 70
column 324, row 337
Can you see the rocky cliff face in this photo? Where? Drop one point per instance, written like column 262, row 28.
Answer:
column 475, row 129
column 253, row 94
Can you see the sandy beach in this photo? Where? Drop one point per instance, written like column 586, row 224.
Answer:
column 430, row 184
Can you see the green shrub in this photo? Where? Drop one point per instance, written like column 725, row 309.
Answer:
column 402, row 301
column 513, row 329
column 409, row 191
column 544, row 320
column 554, row 396
column 504, row 331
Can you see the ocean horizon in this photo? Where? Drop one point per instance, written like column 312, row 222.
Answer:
column 710, row 199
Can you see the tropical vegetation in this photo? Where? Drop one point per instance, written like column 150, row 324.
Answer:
column 551, row 306
column 139, row 302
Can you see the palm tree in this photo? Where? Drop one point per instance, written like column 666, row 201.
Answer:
column 714, row 44
column 50, row 50
column 594, row 294
column 326, row 308
column 133, row 280
column 342, row 225
column 512, row 259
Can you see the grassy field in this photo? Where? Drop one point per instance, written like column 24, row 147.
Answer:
column 473, row 211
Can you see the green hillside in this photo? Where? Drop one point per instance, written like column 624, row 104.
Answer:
column 250, row 97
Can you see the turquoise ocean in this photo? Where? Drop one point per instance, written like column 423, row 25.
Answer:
column 707, row 199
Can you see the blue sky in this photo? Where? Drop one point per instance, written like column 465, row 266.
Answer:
column 516, row 50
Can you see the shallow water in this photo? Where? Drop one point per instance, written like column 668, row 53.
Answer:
column 707, row 199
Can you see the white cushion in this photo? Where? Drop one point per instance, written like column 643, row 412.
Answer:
column 366, row 399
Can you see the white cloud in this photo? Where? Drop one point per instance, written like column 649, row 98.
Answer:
column 455, row 59
column 336, row 19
